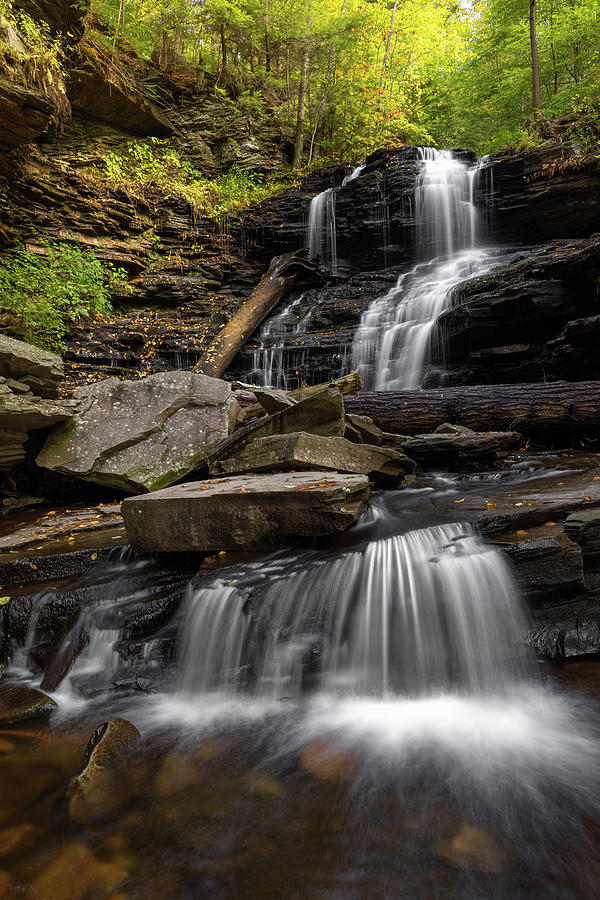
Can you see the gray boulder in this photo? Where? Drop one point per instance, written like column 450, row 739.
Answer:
column 251, row 512
column 141, row 435
column 300, row 450
column 40, row 370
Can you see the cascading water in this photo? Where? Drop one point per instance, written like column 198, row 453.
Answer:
column 392, row 345
column 321, row 229
column 411, row 614
column 275, row 363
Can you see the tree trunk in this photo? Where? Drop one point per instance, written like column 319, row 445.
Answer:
column 535, row 67
column 302, row 93
column 223, row 50
column 283, row 273
column 537, row 410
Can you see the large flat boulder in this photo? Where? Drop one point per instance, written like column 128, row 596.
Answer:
column 141, row 435
column 249, row 512
column 300, row 450
column 39, row 369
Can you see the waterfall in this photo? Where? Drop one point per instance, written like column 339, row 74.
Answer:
column 321, row 229
column 321, row 234
column 414, row 614
column 392, row 345
column 275, row 365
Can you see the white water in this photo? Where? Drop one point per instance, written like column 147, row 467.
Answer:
column 321, row 229
column 274, row 363
column 410, row 615
column 393, row 343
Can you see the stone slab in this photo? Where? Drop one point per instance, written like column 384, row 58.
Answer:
column 244, row 513
column 24, row 361
column 301, row 450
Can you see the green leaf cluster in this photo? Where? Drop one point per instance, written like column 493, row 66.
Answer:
column 150, row 166
column 43, row 293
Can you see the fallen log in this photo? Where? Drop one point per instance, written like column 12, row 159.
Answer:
column 284, row 273
column 534, row 410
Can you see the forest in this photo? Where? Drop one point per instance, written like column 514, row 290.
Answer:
column 354, row 75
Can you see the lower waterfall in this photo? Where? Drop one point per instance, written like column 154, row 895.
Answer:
column 431, row 610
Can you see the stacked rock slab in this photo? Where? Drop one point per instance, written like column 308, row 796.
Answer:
column 244, row 513
column 29, row 378
column 142, row 435
column 301, row 450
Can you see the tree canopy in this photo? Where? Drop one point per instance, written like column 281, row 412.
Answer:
column 352, row 75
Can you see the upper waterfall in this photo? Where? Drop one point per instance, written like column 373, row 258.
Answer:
column 447, row 218
column 393, row 342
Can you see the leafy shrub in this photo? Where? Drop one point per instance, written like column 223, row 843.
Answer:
column 44, row 294
column 150, row 165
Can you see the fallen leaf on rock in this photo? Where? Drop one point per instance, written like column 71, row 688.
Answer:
column 460, row 501
column 32, row 566
column 521, row 531
column 549, row 524
column 4, row 601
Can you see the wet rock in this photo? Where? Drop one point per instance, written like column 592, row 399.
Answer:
column 143, row 617
column 245, row 512
column 565, row 631
column 19, row 702
column 456, row 448
column 548, row 564
column 40, row 569
column 583, row 527
column 395, row 441
column 76, row 874
column 472, row 848
column 39, row 370
column 551, row 191
column 93, row 791
column 308, row 451
column 321, row 413
column 71, row 639
column 327, row 761
column 141, row 435
column 533, row 319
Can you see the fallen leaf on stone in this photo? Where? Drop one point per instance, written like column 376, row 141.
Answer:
column 490, row 505
column 549, row 524
column 460, row 501
column 94, row 556
column 4, row 601
column 32, row 566
column 521, row 531
column 70, row 539
column 596, row 478
column 587, row 498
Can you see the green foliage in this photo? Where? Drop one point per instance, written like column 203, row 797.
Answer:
column 30, row 56
column 45, row 293
column 151, row 166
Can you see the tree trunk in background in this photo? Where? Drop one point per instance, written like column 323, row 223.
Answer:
column 223, row 50
column 302, row 93
column 539, row 410
column 535, row 67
